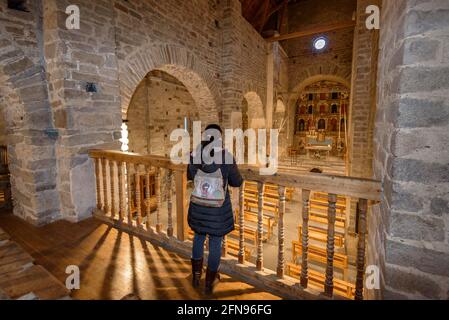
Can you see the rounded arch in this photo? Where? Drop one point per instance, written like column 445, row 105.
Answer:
column 255, row 110
column 177, row 62
column 280, row 106
column 311, row 80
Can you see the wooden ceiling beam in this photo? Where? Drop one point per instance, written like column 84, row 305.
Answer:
column 265, row 15
column 314, row 30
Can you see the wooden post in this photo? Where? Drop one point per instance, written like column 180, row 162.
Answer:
column 114, row 189
column 138, row 197
column 329, row 282
column 107, row 188
column 305, row 237
column 158, row 199
column 148, row 197
column 281, row 240
column 99, row 180
column 241, row 222
column 170, row 203
column 363, row 206
column 130, row 168
column 122, row 190
column 224, row 247
column 259, row 260
column 181, row 207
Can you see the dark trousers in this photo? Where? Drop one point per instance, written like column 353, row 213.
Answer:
column 215, row 244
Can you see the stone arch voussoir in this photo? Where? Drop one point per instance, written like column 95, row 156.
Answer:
column 178, row 62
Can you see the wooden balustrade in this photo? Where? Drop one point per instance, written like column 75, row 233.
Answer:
column 119, row 197
column 124, row 190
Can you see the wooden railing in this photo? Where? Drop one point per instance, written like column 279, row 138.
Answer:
column 119, row 197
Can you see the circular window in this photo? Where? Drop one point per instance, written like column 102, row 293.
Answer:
column 320, row 43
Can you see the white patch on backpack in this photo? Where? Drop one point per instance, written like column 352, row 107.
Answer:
column 208, row 190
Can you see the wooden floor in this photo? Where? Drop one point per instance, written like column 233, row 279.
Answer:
column 114, row 264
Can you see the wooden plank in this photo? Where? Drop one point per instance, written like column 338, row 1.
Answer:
column 34, row 279
column 314, row 30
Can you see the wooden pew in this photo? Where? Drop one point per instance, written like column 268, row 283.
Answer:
column 320, row 255
column 320, row 218
column 248, row 232
column 320, row 235
column 233, row 247
column 273, row 190
column 252, row 217
column 324, row 196
column 317, row 279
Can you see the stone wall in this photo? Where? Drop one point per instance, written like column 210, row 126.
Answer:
column 244, row 61
column 336, row 59
column 411, row 149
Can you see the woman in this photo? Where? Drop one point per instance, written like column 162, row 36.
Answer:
column 214, row 222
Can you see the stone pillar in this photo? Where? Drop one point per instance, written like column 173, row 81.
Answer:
column 84, row 95
column 363, row 94
column 411, row 150
column 241, row 43
column 26, row 111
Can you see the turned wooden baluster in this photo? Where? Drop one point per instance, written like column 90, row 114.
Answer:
column 148, row 197
column 329, row 282
column 114, row 189
column 259, row 260
column 224, row 247
column 122, row 190
column 100, row 186
column 281, row 240
column 170, row 203
column 363, row 206
column 129, row 172
column 241, row 222
column 107, row 188
column 138, row 197
column 157, row 177
column 305, row 238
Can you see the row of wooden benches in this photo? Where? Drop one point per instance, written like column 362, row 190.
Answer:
column 319, row 254
column 316, row 280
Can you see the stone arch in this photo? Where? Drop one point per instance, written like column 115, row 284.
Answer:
column 160, row 104
column 179, row 63
column 330, row 71
column 280, row 106
column 256, row 114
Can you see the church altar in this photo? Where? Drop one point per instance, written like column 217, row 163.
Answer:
column 315, row 147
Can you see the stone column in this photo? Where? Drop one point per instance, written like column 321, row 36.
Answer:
column 411, row 150
column 84, row 94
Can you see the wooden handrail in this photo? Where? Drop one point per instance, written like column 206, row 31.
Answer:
column 136, row 158
column 347, row 186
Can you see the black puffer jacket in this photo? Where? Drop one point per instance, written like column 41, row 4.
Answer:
column 214, row 221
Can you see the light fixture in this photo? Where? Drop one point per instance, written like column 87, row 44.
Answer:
column 124, row 140
column 320, row 43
